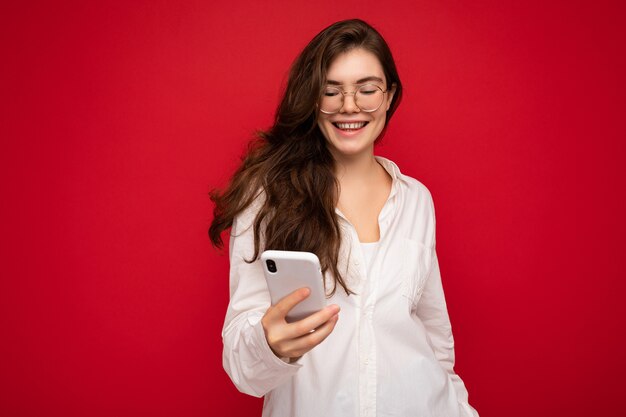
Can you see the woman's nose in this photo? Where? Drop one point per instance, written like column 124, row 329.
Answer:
column 349, row 104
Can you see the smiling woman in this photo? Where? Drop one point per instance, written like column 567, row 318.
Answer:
column 312, row 183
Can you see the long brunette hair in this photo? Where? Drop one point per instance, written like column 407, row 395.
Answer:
column 290, row 167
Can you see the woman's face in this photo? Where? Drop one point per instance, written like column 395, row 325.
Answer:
column 348, row 71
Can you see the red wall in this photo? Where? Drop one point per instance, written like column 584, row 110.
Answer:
column 118, row 117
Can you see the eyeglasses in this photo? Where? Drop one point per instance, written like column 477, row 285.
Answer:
column 367, row 97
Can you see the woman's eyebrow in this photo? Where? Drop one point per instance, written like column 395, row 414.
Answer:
column 362, row 80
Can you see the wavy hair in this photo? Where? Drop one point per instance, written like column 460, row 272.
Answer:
column 290, row 164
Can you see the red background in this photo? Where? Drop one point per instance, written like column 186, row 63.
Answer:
column 118, row 117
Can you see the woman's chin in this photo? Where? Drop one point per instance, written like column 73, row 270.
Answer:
column 351, row 150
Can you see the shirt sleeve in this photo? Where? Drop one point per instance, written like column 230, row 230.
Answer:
column 247, row 357
column 433, row 312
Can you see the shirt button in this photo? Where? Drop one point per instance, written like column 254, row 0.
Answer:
column 356, row 262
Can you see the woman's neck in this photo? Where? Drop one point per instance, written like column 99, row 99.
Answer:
column 359, row 168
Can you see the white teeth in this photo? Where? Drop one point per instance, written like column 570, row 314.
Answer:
column 356, row 125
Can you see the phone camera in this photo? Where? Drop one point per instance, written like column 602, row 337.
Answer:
column 271, row 266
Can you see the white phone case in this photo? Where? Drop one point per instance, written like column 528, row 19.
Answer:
column 294, row 270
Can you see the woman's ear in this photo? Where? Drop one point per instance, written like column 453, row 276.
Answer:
column 390, row 93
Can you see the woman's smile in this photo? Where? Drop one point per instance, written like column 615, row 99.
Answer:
column 350, row 129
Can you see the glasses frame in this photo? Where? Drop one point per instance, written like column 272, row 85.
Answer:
column 353, row 94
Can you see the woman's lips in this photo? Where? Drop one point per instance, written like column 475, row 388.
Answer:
column 349, row 128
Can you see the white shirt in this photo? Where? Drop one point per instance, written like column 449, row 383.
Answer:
column 391, row 352
column 369, row 250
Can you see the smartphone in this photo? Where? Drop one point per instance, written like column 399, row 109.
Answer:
column 286, row 271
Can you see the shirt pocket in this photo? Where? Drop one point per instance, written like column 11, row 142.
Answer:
column 415, row 266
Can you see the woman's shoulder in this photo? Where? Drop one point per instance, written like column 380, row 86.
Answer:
column 417, row 187
column 248, row 214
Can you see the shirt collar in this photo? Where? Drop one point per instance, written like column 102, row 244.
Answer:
column 393, row 170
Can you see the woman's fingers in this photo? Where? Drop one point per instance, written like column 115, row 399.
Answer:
column 300, row 346
column 295, row 339
column 312, row 322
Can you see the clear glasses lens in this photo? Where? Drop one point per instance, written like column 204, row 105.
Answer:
column 368, row 98
column 332, row 100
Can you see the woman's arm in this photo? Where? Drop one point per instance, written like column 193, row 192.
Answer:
column 433, row 312
column 247, row 357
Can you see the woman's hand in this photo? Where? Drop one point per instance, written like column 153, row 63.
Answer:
column 292, row 340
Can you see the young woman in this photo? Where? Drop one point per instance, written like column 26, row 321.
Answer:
column 312, row 183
